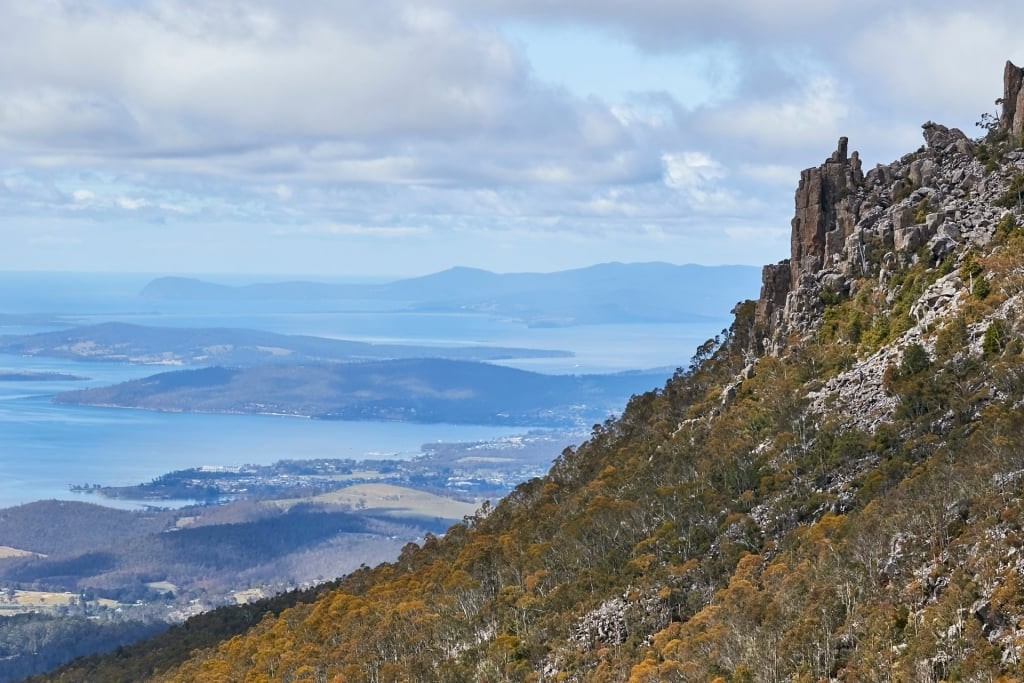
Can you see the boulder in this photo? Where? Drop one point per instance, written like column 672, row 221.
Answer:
column 922, row 172
column 941, row 139
column 902, row 217
column 941, row 247
column 907, row 239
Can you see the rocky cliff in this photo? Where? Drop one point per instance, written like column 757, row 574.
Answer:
column 850, row 225
column 1011, row 119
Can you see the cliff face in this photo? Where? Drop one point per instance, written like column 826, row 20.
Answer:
column 1012, row 118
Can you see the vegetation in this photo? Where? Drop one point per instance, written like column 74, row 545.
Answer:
column 142, row 660
column 53, row 640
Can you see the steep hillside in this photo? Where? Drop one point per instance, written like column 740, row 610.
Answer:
column 833, row 490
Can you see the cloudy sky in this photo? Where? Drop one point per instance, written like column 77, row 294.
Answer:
column 348, row 138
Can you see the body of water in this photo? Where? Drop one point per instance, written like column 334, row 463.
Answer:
column 44, row 447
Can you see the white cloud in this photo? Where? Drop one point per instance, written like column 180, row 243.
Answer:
column 341, row 230
column 83, row 195
column 940, row 60
column 775, row 174
column 611, row 203
column 691, row 170
column 659, row 20
column 814, row 113
column 129, row 204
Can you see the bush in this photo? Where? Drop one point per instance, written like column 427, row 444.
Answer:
column 915, row 360
column 1014, row 196
column 995, row 339
column 1007, row 224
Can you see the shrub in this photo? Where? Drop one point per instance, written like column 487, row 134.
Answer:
column 995, row 339
column 1014, row 196
column 915, row 360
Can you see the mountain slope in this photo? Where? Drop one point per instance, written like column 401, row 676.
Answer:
column 833, row 491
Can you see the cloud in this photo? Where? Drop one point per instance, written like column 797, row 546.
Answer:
column 253, row 121
column 228, row 81
column 339, row 230
column 941, row 61
column 663, row 24
column 775, row 174
column 691, row 170
column 129, row 204
column 814, row 113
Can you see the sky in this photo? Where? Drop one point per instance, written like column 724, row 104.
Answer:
column 348, row 138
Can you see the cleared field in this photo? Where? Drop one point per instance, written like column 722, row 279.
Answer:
column 249, row 595
column 162, row 586
column 7, row 551
column 399, row 501
column 45, row 600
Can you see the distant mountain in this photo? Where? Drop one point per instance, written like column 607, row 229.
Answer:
column 228, row 346
column 409, row 390
column 604, row 293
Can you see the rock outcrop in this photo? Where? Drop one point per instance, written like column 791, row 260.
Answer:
column 827, row 209
column 849, row 225
column 1012, row 117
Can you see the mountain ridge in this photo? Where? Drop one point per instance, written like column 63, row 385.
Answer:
column 652, row 292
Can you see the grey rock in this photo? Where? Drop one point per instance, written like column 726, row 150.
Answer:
column 934, row 220
column 939, row 138
column 950, row 231
column 1012, row 118
column 902, row 216
column 940, row 247
column 922, row 171
column 907, row 239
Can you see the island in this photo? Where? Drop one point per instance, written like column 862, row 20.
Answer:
column 32, row 376
column 179, row 346
column 426, row 390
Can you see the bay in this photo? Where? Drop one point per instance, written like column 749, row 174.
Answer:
column 45, row 448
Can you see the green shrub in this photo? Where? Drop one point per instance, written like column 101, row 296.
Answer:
column 921, row 210
column 1014, row 196
column 1007, row 224
column 981, row 288
column 995, row 339
column 915, row 360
